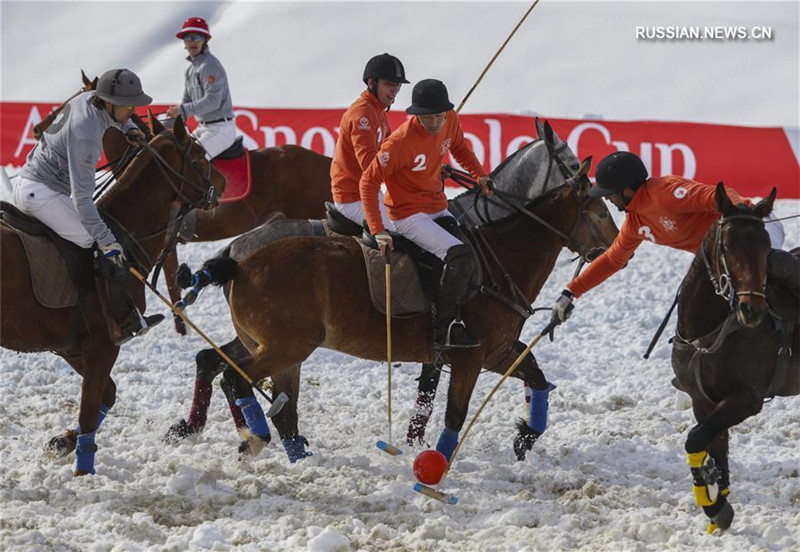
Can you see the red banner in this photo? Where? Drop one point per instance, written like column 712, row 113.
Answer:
column 751, row 160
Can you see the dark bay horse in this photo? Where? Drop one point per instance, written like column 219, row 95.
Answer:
column 726, row 351
column 172, row 167
column 290, row 297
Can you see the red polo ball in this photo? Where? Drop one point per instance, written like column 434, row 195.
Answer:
column 429, row 467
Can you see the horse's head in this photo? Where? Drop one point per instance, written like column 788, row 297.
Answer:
column 594, row 230
column 184, row 163
column 735, row 252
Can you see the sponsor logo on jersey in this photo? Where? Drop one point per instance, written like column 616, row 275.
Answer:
column 363, row 123
column 680, row 192
column 667, row 223
column 383, row 158
column 446, row 146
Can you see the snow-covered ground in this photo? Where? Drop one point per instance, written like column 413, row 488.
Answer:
column 609, row 474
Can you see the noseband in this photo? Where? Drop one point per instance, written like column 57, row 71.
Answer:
column 719, row 273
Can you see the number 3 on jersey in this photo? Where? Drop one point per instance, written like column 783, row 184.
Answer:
column 419, row 162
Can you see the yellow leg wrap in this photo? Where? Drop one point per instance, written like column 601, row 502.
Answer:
column 711, row 527
column 696, row 459
column 704, row 495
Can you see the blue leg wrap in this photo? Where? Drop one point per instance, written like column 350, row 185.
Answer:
column 254, row 416
column 104, row 408
column 537, row 419
column 447, row 442
column 296, row 448
column 84, row 452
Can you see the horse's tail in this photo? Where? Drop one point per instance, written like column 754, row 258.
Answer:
column 220, row 270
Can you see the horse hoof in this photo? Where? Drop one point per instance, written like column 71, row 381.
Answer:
column 179, row 431
column 253, row 445
column 525, row 439
column 180, row 325
column 80, row 473
column 721, row 513
column 62, row 445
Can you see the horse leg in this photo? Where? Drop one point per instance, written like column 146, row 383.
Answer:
column 63, row 444
column 99, row 356
column 209, row 365
column 285, row 421
column 537, row 397
column 462, row 383
column 426, row 392
column 706, row 444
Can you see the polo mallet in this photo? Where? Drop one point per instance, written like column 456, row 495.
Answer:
column 450, row 499
column 45, row 123
column 385, row 446
column 277, row 403
column 488, row 65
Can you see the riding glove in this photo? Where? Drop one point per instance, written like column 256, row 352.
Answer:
column 562, row 309
column 384, row 241
column 114, row 253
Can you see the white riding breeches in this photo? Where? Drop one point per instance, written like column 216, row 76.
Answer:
column 52, row 208
column 355, row 212
column 216, row 137
column 775, row 230
column 422, row 229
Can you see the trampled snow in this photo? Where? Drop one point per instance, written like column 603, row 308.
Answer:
column 610, row 472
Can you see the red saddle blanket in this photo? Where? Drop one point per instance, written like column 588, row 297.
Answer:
column 238, row 177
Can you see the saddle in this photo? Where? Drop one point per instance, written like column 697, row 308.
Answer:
column 61, row 272
column 235, row 165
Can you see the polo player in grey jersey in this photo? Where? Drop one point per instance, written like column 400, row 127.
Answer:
column 206, row 95
column 57, row 182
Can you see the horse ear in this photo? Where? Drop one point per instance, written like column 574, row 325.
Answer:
column 764, row 207
column 539, row 128
column 724, row 203
column 179, row 130
column 155, row 125
column 88, row 84
column 586, row 166
column 548, row 133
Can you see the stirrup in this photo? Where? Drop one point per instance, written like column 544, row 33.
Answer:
column 148, row 322
column 467, row 340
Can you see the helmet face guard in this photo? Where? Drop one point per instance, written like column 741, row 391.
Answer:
column 617, row 172
column 386, row 67
column 429, row 97
column 123, row 88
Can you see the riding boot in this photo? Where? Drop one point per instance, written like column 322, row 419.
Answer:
column 450, row 331
column 783, row 269
column 123, row 319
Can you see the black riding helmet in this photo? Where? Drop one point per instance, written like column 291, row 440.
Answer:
column 386, row 67
column 616, row 172
column 429, row 97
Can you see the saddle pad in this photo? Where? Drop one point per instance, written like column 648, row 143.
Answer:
column 238, row 177
column 50, row 280
column 408, row 298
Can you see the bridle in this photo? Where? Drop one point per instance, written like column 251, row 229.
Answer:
column 717, row 267
column 206, row 197
column 513, row 202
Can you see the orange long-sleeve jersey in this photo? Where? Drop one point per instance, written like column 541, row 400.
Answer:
column 363, row 128
column 410, row 163
column 667, row 210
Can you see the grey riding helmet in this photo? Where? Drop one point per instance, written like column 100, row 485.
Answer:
column 616, row 172
column 122, row 87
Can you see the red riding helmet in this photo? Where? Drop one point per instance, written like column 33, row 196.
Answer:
column 194, row 25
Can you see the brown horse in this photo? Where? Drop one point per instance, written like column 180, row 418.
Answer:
column 289, row 298
column 726, row 351
column 171, row 168
column 288, row 182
